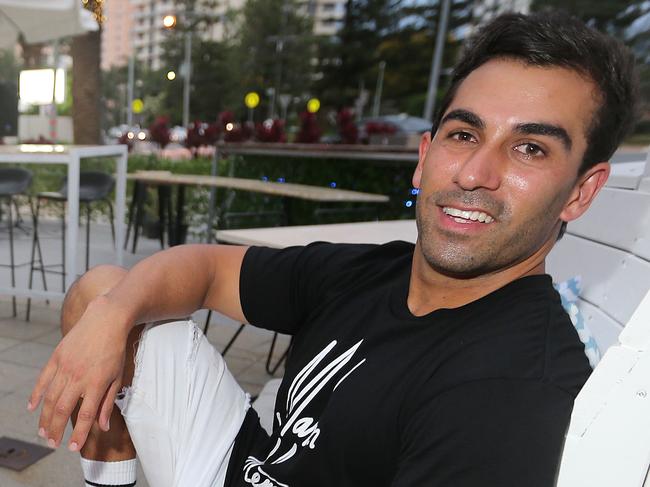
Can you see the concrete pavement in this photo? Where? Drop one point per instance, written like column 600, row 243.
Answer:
column 26, row 346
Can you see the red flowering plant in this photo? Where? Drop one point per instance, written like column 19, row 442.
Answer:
column 200, row 134
column 347, row 128
column 309, row 132
column 270, row 131
column 234, row 131
column 159, row 131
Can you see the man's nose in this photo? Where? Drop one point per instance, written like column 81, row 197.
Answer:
column 481, row 168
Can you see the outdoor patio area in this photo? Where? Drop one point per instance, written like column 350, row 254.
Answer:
column 26, row 346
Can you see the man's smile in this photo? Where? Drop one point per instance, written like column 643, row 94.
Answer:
column 467, row 216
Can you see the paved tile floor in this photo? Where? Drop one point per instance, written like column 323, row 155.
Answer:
column 26, row 346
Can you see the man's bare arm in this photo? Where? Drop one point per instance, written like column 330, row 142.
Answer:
column 178, row 281
column 89, row 361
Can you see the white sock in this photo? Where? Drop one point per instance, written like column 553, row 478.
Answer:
column 98, row 473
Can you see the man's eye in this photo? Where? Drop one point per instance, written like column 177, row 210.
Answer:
column 530, row 150
column 462, row 136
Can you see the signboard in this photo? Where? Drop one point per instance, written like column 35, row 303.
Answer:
column 252, row 99
column 36, row 86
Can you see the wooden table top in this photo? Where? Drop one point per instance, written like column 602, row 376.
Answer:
column 301, row 191
column 362, row 232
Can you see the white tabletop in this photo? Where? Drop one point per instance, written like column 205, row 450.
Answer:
column 56, row 153
column 300, row 191
column 70, row 156
column 362, row 232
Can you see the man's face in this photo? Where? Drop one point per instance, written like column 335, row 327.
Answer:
column 499, row 172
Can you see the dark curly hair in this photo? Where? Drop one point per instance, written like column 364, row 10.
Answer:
column 555, row 39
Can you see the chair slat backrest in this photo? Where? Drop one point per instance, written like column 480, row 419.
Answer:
column 608, row 442
column 610, row 248
column 619, row 218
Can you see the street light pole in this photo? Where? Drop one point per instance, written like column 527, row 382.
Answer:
column 378, row 89
column 187, row 78
column 129, row 90
column 434, row 76
column 169, row 21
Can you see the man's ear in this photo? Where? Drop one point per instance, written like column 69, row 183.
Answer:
column 585, row 190
column 425, row 142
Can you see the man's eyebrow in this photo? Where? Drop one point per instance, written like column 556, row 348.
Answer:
column 466, row 116
column 546, row 129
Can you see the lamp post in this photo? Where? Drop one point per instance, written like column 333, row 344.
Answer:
column 436, row 62
column 169, row 22
column 187, row 75
column 380, row 85
column 129, row 91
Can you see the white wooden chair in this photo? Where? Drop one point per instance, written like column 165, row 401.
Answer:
column 608, row 441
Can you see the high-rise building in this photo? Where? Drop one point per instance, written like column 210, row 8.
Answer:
column 136, row 26
column 116, row 33
column 328, row 15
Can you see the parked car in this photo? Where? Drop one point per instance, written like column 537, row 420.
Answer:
column 132, row 133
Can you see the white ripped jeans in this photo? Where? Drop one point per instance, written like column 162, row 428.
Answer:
column 183, row 409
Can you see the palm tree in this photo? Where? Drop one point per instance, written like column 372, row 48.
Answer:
column 86, row 81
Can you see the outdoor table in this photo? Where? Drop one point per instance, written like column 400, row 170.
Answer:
column 71, row 155
column 280, row 237
column 363, row 232
column 389, row 155
column 285, row 190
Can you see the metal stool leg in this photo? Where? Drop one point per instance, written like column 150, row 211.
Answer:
column 11, row 252
column 132, row 206
column 36, row 247
column 231, row 341
column 87, row 236
column 112, row 217
column 272, row 369
column 207, row 322
column 63, row 247
column 139, row 216
column 161, row 216
column 31, row 262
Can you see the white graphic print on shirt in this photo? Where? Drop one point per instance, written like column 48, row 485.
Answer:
column 297, row 431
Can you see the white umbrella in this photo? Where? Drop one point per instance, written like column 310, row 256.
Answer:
column 42, row 20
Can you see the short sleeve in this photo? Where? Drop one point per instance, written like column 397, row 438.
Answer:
column 506, row 433
column 279, row 287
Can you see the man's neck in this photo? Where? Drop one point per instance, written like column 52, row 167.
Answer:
column 430, row 290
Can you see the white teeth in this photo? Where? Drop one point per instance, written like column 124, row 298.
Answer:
column 462, row 216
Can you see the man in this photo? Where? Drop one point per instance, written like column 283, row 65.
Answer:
column 450, row 363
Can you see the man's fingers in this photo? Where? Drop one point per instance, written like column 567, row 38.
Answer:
column 50, row 399
column 85, row 419
column 61, row 412
column 42, row 384
column 107, row 406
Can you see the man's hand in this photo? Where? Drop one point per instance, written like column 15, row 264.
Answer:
column 88, row 364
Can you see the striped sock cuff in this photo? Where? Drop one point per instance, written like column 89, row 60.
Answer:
column 93, row 484
column 115, row 474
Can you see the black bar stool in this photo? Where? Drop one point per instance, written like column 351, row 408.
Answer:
column 13, row 181
column 94, row 186
column 137, row 212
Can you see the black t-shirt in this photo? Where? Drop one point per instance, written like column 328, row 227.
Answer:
column 479, row 395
